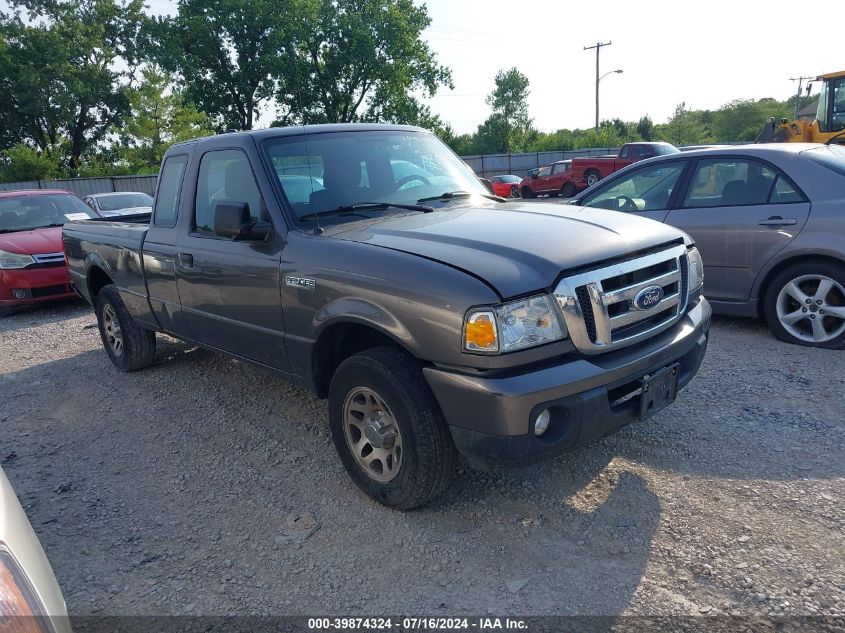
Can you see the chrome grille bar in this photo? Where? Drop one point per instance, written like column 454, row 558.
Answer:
column 49, row 258
column 604, row 320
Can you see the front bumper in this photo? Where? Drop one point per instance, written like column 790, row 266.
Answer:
column 35, row 285
column 490, row 418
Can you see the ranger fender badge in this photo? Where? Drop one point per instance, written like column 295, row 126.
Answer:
column 301, row 282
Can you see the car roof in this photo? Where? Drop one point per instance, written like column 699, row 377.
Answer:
column 762, row 150
column 106, row 194
column 32, row 192
column 273, row 132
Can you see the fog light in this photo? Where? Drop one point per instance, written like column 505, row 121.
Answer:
column 19, row 294
column 541, row 424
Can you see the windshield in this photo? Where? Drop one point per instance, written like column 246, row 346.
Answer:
column 124, row 201
column 508, row 179
column 664, row 149
column 833, row 91
column 21, row 213
column 830, row 156
column 323, row 172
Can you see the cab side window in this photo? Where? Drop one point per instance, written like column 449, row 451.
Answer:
column 166, row 202
column 225, row 176
column 544, row 171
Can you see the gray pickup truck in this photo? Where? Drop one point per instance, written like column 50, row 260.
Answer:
column 369, row 265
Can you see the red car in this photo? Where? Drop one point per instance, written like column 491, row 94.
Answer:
column 589, row 170
column 554, row 179
column 506, row 186
column 32, row 262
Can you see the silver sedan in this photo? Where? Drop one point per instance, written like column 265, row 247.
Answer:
column 769, row 221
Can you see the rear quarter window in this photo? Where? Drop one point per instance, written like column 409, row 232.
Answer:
column 830, row 156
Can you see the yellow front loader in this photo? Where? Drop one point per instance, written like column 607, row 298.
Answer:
column 829, row 124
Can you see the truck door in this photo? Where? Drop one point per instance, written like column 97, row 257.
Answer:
column 230, row 289
column 541, row 182
column 159, row 250
column 740, row 212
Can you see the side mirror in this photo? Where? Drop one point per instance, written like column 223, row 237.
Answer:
column 232, row 220
column 488, row 184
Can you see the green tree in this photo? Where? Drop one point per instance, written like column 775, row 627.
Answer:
column 684, row 128
column 159, row 117
column 227, row 54
column 59, row 65
column 23, row 162
column 508, row 128
column 358, row 60
column 645, row 128
column 742, row 120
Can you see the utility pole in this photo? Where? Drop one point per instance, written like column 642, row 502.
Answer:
column 800, row 81
column 598, row 48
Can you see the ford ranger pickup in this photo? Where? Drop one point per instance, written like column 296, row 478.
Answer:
column 369, row 265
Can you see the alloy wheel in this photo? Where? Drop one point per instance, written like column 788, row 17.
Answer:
column 812, row 308
column 111, row 325
column 372, row 435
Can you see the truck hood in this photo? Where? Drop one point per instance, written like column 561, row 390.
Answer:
column 515, row 247
column 33, row 242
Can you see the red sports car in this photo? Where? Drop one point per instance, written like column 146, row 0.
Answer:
column 32, row 261
column 506, row 186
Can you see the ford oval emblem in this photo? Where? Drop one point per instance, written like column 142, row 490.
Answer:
column 649, row 297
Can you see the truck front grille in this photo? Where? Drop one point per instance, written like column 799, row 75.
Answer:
column 601, row 308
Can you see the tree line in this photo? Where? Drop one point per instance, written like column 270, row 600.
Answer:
column 510, row 129
column 91, row 87
column 104, row 87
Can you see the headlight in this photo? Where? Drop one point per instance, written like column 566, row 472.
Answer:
column 18, row 601
column 513, row 326
column 15, row 260
column 696, row 270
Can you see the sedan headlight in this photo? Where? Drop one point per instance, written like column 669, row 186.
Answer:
column 696, row 270
column 15, row 260
column 512, row 326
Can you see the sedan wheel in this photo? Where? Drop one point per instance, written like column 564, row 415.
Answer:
column 812, row 308
column 514, row 191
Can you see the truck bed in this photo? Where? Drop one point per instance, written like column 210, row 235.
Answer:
column 114, row 244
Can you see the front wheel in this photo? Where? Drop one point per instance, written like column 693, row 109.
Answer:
column 805, row 305
column 128, row 346
column 388, row 429
column 514, row 191
column 527, row 193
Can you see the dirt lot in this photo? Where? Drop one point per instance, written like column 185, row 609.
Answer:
column 180, row 489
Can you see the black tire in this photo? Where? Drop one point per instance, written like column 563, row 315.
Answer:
column 568, row 190
column 527, row 193
column 137, row 347
column 4, row 312
column 514, row 191
column 428, row 454
column 591, row 175
column 834, row 298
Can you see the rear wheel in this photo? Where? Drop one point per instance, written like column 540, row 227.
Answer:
column 128, row 345
column 568, row 190
column 514, row 191
column 805, row 305
column 527, row 193
column 591, row 177
column 388, row 429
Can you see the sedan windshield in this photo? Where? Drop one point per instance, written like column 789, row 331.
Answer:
column 25, row 212
column 120, row 201
column 509, row 179
column 331, row 171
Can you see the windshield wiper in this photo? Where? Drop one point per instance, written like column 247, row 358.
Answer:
column 366, row 206
column 451, row 195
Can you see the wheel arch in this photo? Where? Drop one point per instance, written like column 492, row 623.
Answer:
column 341, row 339
column 97, row 275
column 775, row 269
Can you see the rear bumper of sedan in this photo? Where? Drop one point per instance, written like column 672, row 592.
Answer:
column 23, row 286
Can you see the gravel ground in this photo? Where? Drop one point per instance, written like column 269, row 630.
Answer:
column 203, row 486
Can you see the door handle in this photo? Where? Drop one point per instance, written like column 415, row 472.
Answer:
column 776, row 221
column 185, row 260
